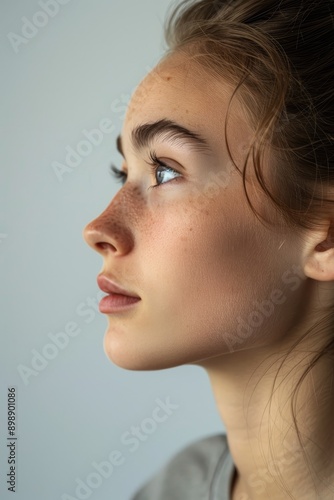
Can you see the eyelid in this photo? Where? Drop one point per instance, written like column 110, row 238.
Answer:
column 153, row 157
column 155, row 160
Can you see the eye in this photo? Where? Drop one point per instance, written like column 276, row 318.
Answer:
column 118, row 175
column 163, row 173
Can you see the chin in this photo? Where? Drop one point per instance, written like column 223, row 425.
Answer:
column 140, row 357
column 130, row 357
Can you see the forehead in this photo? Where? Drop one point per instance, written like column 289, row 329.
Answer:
column 175, row 89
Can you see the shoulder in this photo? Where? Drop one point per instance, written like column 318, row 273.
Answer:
column 189, row 473
column 201, row 453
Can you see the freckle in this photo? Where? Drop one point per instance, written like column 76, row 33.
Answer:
column 169, row 78
column 191, row 229
column 187, row 111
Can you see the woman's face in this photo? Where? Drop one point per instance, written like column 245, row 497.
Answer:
column 211, row 277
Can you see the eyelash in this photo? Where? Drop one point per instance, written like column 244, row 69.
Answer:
column 155, row 163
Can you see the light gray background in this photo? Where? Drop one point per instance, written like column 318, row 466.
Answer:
column 78, row 69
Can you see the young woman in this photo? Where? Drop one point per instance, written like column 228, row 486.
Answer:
column 218, row 250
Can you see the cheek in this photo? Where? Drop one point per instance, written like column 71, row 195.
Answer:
column 208, row 273
column 205, row 247
column 198, row 253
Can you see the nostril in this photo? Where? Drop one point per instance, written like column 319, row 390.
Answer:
column 103, row 245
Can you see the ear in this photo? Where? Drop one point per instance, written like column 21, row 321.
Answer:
column 319, row 257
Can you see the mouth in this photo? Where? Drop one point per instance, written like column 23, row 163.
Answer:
column 118, row 298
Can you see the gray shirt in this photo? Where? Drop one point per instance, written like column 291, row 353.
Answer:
column 203, row 470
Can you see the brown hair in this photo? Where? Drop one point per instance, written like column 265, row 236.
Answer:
column 279, row 57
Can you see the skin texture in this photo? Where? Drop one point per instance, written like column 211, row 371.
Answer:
column 218, row 289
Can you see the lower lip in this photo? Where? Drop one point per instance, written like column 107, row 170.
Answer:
column 115, row 302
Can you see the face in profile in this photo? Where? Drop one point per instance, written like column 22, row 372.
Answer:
column 211, row 278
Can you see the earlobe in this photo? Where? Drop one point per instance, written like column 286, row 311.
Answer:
column 319, row 260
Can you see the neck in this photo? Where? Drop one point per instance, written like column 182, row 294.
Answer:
column 254, row 393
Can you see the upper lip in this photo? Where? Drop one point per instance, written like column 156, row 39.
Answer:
column 109, row 286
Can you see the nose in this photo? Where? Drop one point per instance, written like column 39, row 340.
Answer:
column 110, row 233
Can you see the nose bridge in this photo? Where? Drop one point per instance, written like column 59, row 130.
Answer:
column 115, row 226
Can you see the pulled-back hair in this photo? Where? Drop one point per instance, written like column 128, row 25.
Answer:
column 279, row 56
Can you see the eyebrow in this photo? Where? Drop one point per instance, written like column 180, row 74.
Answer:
column 144, row 134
